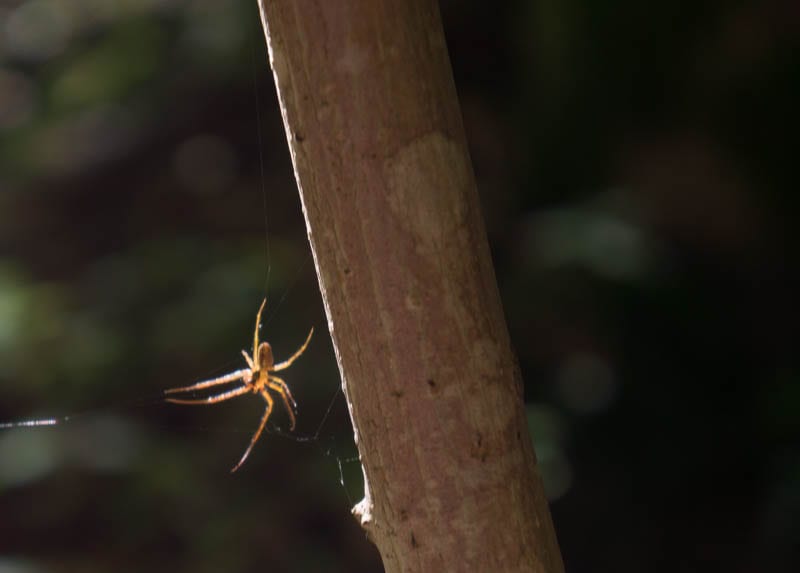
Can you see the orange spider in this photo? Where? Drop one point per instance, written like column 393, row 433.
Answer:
column 256, row 379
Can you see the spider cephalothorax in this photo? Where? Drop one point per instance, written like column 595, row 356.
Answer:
column 257, row 378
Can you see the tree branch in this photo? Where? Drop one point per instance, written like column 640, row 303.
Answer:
column 392, row 212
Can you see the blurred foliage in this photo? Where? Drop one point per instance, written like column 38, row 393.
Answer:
column 636, row 169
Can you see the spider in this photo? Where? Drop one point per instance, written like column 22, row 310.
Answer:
column 257, row 379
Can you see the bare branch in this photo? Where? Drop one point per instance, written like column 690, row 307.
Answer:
column 392, row 212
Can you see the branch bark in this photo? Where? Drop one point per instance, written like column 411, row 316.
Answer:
column 392, row 212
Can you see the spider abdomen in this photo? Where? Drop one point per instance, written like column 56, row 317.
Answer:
column 264, row 359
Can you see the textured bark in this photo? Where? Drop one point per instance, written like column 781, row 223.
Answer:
column 392, row 212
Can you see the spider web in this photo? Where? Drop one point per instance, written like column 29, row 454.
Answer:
column 95, row 419
column 326, row 442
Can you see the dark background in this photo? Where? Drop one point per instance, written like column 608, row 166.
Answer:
column 637, row 168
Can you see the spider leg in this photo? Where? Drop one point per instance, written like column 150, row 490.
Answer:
column 288, row 400
column 258, row 323
column 214, row 382
column 260, row 429
column 286, row 363
column 212, row 399
column 249, row 360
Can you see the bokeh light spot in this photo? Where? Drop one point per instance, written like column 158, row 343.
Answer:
column 16, row 99
column 38, row 30
column 29, row 455
column 586, row 383
column 205, row 164
column 546, row 426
